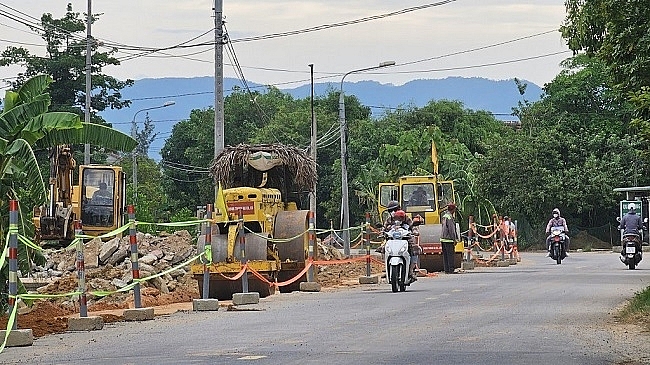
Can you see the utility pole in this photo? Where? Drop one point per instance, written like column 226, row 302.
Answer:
column 218, row 79
column 312, row 195
column 89, row 60
column 219, row 129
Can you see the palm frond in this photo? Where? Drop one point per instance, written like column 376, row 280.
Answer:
column 90, row 133
column 21, row 158
column 34, row 87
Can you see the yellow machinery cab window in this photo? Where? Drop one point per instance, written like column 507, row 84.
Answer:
column 98, row 190
column 445, row 194
column 418, row 197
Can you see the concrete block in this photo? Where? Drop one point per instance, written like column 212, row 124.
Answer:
column 138, row 314
column 503, row 263
column 18, row 338
column 90, row 323
column 513, row 261
column 374, row 279
column 199, row 305
column 467, row 265
column 245, row 298
column 310, row 286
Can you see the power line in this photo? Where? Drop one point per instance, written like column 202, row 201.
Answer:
column 341, row 24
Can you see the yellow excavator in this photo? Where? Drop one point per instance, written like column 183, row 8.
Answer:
column 97, row 199
column 426, row 196
column 264, row 186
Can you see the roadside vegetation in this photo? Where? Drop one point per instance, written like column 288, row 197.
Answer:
column 637, row 311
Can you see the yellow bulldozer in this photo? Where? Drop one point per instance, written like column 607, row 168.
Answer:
column 264, row 188
column 426, row 196
column 97, row 199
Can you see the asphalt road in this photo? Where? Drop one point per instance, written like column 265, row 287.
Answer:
column 535, row 312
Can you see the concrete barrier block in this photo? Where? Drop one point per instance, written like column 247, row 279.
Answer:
column 310, row 286
column 91, row 323
column 467, row 265
column 374, row 279
column 503, row 263
column 245, row 298
column 17, row 338
column 138, row 314
column 199, row 305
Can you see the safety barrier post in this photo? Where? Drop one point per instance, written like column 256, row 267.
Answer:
column 133, row 240
column 312, row 243
column 81, row 271
column 242, row 247
column 13, row 257
column 83, row 322
column 367, row 244
column 470, row 239
column 12, row 336
column 207, row 260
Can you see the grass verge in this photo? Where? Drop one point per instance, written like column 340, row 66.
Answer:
column 638, row 310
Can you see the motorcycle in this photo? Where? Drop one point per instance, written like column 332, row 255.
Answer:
column 631, row 255
column 558, row 247
column 398, row 259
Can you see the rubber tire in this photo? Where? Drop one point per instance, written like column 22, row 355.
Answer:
column 630, row 263
column 558, row 255
column 403, row 278
column 394, row 277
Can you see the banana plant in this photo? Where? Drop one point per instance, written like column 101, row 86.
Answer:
column 27, row 125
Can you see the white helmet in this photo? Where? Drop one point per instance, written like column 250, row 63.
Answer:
column 631, row 206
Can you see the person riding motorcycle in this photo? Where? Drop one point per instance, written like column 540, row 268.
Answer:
column 557, row 221
column 399, row 218
column 631, row 223
column 392, row 207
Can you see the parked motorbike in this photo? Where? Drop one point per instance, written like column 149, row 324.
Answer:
column 558, row 244
column 631, row 255
column 397, row 258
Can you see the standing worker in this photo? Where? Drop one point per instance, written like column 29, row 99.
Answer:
column 448, row 238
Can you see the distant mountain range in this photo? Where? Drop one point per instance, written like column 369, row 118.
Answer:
column 498, row 97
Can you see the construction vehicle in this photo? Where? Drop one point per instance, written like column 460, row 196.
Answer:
column 260, row 204
column 426, row 196
column 98, row 199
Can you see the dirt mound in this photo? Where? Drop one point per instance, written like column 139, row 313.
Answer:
column 584, row 240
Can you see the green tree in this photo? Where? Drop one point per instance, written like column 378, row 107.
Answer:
column 618, row 33
column 65, row 62
column 145, row 137
column 573, row 149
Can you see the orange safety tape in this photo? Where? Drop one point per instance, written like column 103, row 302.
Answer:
column 473, row 227
column 236, row 277
column 261, row 277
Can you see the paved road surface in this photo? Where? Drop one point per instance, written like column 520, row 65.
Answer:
column 535, row 312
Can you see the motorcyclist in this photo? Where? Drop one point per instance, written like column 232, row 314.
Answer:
column 557, row 221
column 631, row 223
column 399, row 219
column 392, row 207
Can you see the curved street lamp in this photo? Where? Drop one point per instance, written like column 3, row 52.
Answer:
column 345, row 207
column 134, row 132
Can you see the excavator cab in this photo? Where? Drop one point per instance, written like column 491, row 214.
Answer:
column 102, row 198
column 98, row 199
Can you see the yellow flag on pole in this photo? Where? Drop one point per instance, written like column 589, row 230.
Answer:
column 434, row 157
column 220, row 202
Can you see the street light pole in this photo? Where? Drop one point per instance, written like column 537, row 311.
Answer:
column 345, row 206
column 134, row 132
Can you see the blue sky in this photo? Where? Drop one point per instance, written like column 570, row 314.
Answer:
column 457, row 38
